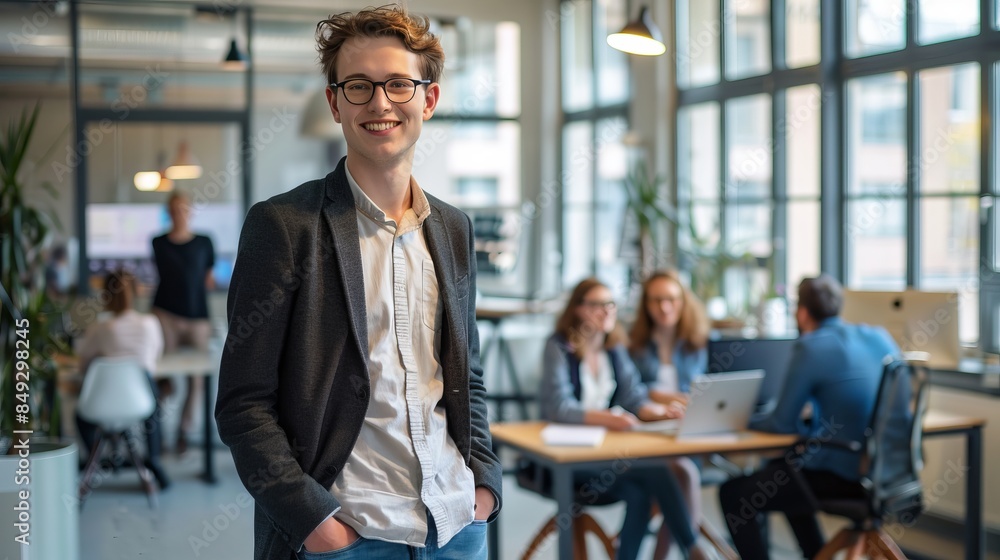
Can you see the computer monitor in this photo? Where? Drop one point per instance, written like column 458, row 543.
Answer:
column 924, row 324
column 740, row 354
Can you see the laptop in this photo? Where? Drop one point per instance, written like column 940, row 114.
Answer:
column 743, row 354
column 719, row 404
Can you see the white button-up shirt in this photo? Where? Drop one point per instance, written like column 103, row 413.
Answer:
column 404, row 465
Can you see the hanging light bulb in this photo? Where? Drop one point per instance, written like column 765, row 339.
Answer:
column 146, row 181
column 640, row 36
column 185, row 165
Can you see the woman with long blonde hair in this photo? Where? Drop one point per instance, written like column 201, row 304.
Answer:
column 588, row 378
column 668, row 345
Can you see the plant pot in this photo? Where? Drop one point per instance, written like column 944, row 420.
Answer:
column 52, row 512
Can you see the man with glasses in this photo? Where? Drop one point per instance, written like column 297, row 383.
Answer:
column 351, row 392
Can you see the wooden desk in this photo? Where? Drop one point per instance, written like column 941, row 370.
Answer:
column 640, row 448
column 206, row 365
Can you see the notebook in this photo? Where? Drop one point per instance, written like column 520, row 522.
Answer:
column 573, row 435
column 720, row 403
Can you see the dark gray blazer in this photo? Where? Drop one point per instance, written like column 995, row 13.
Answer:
column 294, row 385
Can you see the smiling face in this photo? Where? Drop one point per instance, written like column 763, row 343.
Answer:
column 597, row 311
column 664, row 302
column 381, row 133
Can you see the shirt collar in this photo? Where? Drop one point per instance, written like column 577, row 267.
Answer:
column 831, row 321
column 413, row 218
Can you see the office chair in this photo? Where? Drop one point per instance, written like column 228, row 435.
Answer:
column 891, row 462
column 537, row 479
column 116, row 395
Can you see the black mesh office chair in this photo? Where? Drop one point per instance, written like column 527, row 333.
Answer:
column 891, row 462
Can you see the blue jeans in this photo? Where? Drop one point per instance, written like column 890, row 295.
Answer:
column 639, row 487
column 468, row 544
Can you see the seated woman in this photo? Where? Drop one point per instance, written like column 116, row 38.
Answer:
column 668, row 345
column 588, row 378
column 127, row 334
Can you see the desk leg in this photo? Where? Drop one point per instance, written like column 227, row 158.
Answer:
column 562, row 484
column 209, row 458
column 975, row 537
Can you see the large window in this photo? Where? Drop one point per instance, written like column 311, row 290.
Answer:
column 870, row 166
column 595, row 236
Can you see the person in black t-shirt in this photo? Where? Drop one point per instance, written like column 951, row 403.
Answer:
column 184, row 262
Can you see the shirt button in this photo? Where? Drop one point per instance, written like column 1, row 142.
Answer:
column 363, row 393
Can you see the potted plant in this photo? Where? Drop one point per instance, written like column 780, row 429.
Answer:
column 38, row 474
column 646, row 207
column 29, row 312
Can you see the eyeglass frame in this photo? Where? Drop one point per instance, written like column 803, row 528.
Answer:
column 605, row 305
column 416, row 83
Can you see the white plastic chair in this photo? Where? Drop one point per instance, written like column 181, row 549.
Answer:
column 116, row 395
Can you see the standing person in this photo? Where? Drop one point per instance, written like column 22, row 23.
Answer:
column 668, row 345
column 351, row 393
column 837, row 367
column 126, row 334
column 184, row 262
column 588, row 378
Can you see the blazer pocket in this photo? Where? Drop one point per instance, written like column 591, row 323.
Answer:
column 430, row 296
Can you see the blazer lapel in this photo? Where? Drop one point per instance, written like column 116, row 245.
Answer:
column 342, row 219
column 439, row 245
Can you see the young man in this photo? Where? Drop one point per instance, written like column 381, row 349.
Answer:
column 351, row 392
column 837, row 367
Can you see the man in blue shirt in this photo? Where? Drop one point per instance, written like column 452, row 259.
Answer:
column 836, row 367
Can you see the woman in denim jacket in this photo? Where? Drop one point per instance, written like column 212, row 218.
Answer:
column 588, row 378
column 668, row 345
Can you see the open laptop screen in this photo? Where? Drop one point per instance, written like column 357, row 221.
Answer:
column 740, row 354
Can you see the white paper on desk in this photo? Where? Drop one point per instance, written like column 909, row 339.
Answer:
column 573, row 435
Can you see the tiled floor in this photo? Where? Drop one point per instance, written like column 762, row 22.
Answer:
column 198, row 521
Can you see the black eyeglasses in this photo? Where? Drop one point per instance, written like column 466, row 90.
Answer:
column 672, row 299
column 605, row 305
column 359, row 91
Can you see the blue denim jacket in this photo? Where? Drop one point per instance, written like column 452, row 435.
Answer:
column 689, row 364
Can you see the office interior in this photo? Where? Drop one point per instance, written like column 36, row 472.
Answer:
column 783, row 139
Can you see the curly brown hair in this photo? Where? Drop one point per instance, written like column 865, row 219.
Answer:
column 570, row 327
column 384, row 21
column 693, row 326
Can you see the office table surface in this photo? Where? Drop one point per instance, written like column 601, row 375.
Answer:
column 494, row 308
column 180, row 362
column 526, row 436
column 187, row 362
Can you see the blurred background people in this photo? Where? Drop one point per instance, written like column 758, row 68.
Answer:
column 668, row 344
column 184, row 262
column 837, row 367
column 126, row 334
column 588, row 378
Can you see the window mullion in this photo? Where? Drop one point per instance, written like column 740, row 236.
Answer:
column 913, row 165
